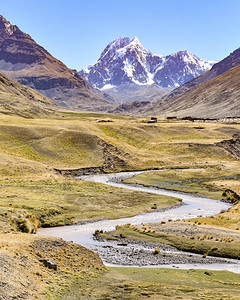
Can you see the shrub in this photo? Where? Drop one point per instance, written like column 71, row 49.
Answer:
column 154, row 206
column 26, row 223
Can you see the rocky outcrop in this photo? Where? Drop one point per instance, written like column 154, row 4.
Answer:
column 232, row 146
column 81, row 171
column 231, row 196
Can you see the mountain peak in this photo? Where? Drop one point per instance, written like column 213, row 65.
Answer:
column 6, row 27
column 185, row 52
column 126, row 61
column 123, row 42
column 136, row 40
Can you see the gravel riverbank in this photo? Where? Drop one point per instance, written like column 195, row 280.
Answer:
column 138, row 253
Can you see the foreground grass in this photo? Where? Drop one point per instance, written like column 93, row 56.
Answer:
column 80, row 274
column 155, row 283
column 64, row 201
column 23, row 276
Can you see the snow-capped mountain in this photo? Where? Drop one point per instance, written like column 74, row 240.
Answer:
column 126, row 61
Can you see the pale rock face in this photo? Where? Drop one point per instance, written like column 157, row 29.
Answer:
column 6, row 28
column 125, row 60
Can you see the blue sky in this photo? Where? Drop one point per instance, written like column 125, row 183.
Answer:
column 77, row 31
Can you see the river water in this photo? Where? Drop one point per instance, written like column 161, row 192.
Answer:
column 192, row 207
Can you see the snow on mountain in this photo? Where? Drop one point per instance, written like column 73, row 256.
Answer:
column 125, row 61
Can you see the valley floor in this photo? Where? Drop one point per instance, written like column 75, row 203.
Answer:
column 34, row 194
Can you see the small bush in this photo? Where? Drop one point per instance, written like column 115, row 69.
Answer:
column 25, row 223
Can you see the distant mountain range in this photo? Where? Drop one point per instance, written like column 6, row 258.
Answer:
column 232, row 60
column 23, row 60
column 125, row 63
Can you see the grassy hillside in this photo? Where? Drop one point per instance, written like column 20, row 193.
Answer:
column 80, row 140
column 23, row 276
column 155, row 284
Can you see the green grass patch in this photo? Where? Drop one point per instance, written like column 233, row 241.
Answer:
column 156, row 283
column 64, row 201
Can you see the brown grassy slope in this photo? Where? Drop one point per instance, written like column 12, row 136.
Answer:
column 216, row 98
column 23, row 276
column 16, row 99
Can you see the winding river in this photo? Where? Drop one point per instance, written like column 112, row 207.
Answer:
column 193, row 207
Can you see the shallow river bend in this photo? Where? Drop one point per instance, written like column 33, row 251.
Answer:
column 194, row 207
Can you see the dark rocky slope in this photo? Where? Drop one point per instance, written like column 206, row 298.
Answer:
column 17, row 99
column 232, row 146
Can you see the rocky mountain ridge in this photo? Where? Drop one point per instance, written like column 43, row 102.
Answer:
column 23, row 60
column 214, row 94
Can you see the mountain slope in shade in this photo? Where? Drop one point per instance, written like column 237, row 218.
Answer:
column 23, row 60
column 17, row 99
column 218, row 97
column 126, row 61
column 231, row 61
